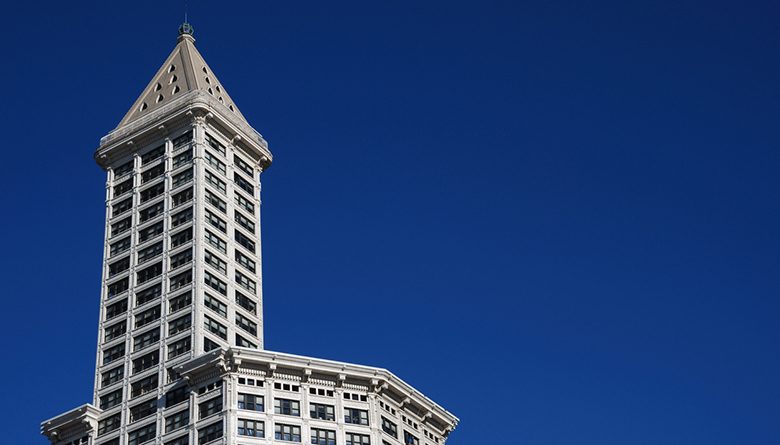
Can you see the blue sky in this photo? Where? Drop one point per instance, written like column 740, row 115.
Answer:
column 557, row 219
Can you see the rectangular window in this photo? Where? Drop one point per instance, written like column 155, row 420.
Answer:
column 123, row 169
column 121, row 227
column 145, row 362
column 210, row 433
column 214, row 261
column 251, row 428
column 209, row 407
column 143, row 410
column 118, row 287
column 323, row 437
column 122, row 188
column 320, row 411
column 112, row 376
column 151, row 155
column 113, row 353
column 146, row 339
column 209, row 345
column 182, row 140
column 153, row 173
column 290, row 433
column 142, row 435
column 181, row 178
column 149, row 273
column 244, row 343
column 215, row 283
column 243, row 184
column 147, row 316
column 244, row 240
column 216, row 202
column 215, row 327
column 215, row 305
column 120, row 246
column 109, row 424
column 355, row 416
column 216, row 221
column 246, row 324
column 219, row 184
column 182, row 217
column 245, row 261
column 216, row 241
column 287, row 407
column 180, row 347
column 182, row 197
column 213, row 143
column 183, row 440
column 112, row 399
column 180, row 302
column 146, row 295
column 152, row 192
column 246, row 283
column 182, row 158
column 245, row 204
column 358, row 439
column 180, row 324
column 214, row 162
column 150, row 232
column 152, row 211
column 150, row 252
column 116, row 309
column 118, row 266
column 410, row 439
column 246, row 303
column 179, row 238
column 181, row 280
column 177, row 420
column 176, row 396
column 181, row 258
column 243, row 166
column 243, row 221
column 143, row 386
column 121, row 207
column 251, row 402
column 389, row 427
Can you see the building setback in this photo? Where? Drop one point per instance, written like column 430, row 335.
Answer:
column 180, row 357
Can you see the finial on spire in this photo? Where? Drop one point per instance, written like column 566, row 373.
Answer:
column 187, row 29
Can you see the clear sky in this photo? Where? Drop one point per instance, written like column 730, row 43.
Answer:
column 558, row 219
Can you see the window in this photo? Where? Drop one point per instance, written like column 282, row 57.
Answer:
column 320, row 411
column 152, row 211
column 214, row 144
column 290, row 433
column 215, row 305
column 180, row 324
column 216, row 242
column 215, row 283
column 143, row 410
column 145, row 362
column 210, row 407
column 245, row 241
column 245, row 282
column 177, row 420
column 182, row 178
column 180, row 347
column 410, row 439
column 120, row 246
column 143, row 386
column 245, row 261
column 216, row 202
column 115, row 331
column 244, row 343
column 121, row 227
column 209, row 433
column 180, row 302
column 122, row 188
column 181, row 280
column 246, row 324
column 357, row 439
column 243, row 166
column 148, row 294
column 246, row 303
column 116, row 309
column 182, row 140
column 150, row 232
column 252, row 428
column 146, row 339
column 180, row 259
column 182, row 197
column 151, row 155
column 356, row 416
column 182, row 217
column 121, row 207
column 321, row 392
column 112, row 399
column 219, row 184
column 183, row 440
column 149, row 273
column 142, row 435
column 214, row 162
column 109, row 424
column 152, row 192
column 209, row 345
column 153, row 173
column 243, row 221
column 147, row 316
column 118, row 266
column 243, row 184
column 180, row 238
column 112, row 376
column 176, row 396
column 113, row 353
column 215, row 327
column 287, row 407
column 245, row 204
column 389, row 427
column 117, row 288
column 323, row 437
column 150, row 252
column 250, row 402
column 216, row 221
column 213, row 260
column 182, row 158
column 123, row 169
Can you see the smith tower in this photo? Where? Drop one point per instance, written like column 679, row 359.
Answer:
column 180, row 356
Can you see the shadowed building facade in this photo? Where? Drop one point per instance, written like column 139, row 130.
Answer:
column 180, row 357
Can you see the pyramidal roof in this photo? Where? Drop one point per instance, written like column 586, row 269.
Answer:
column 183, row 71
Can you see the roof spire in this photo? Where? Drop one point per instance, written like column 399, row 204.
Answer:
column 186, row 30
